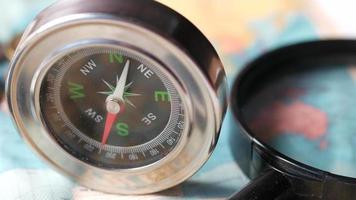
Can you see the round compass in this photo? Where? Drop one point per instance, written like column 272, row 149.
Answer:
column 122, row 96
column 112, row 108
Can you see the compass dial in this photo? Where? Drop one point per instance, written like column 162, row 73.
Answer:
column 112, row 108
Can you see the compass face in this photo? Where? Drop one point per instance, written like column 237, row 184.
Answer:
column 112, row 108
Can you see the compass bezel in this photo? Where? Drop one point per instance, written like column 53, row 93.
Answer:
column 42, row 71
column 198, row 69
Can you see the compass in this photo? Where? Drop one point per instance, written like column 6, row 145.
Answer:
column 121, row 96
column 112, row 108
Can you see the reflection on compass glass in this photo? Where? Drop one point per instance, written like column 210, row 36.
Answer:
column 112, row 108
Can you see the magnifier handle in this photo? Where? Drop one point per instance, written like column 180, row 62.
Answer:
column 271, row 185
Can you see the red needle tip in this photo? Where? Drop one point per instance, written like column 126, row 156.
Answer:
column 110, row 119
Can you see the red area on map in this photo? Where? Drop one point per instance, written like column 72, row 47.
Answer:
column 296, row 117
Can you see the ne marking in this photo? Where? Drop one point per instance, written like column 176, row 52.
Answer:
column 145, row 71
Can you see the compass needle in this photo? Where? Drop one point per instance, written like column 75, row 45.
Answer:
column 110, row 119
column 112, row 103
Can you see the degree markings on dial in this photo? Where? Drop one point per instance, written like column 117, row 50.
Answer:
column 51, row 78
column 110, row 155
column 56, row 70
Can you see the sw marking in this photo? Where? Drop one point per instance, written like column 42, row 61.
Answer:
column 94, row 115
column 88, row 68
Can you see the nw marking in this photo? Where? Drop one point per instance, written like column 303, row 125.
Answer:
column 88, row 68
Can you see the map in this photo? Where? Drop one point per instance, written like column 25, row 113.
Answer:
column 241, row 30
column 309, row 117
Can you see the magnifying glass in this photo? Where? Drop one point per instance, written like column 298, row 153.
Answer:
column 293, row 130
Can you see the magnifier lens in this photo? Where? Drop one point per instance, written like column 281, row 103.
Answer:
column 306, row 110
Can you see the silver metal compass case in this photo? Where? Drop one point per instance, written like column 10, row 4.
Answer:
column 149, row 29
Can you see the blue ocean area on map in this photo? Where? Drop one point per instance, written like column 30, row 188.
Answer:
column 329, row 142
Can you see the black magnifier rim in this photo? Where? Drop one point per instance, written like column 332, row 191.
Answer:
column 288, row 167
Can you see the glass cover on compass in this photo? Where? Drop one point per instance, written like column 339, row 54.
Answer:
column 112, row 108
